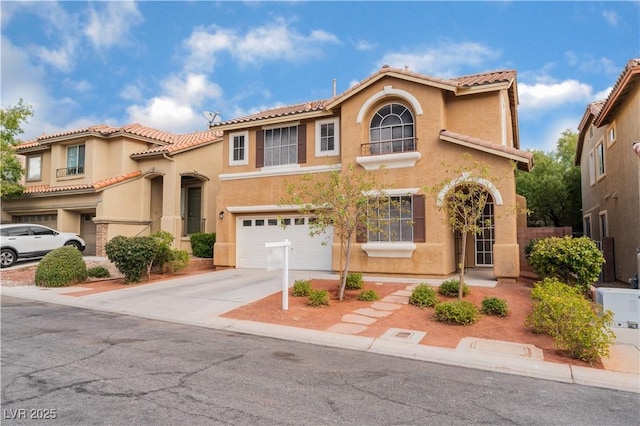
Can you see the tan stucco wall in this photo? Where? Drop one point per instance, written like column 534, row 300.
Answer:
column 618, row 192
column 436, row 256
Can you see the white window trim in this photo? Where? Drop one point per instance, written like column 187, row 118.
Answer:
column 336, row 131
column 587, row 218
column 603, row 232
column 390, row 161
column 604, row 166
column 610, row 129
column 244, row 162
column 28, row 177
column 402, row 249
column 592, row 168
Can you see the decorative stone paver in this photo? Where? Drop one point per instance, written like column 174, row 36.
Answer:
column 396, row 299
column 404, row 293
column 347, row 328
column 384, row 306
column 358, row 319
column 373, row 312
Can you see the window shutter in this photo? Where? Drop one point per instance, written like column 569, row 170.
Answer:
column 302, row 143
column 418, row 219
column 361, row 233
column 260, row 148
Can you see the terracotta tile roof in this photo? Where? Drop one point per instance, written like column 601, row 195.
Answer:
column 452, row 84
column 624, row 84
column 164, row 142
column 493, row 77
column 95, row 186
column 283, row 111
column 183, row 142
column 523, row 158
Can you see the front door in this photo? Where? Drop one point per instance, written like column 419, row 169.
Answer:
column 194, row 210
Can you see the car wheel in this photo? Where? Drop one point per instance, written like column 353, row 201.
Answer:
column 73, row 244
column 7, row 258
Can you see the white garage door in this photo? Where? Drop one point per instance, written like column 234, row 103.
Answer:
column 306, row 252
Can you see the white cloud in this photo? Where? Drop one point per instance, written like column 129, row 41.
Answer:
column 611, row 17
column 62, row 58
column 203, row 46
column 111, row 25
column 364, row 45
column 179, row 108
column 545, row 96
column 602, row 95
column 589, row 64
column 443, row 60
column 271, row 42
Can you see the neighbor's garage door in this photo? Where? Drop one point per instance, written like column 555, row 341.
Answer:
column 50, row 220
column 307, row 253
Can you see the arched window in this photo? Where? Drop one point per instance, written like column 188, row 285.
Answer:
column 392, row 130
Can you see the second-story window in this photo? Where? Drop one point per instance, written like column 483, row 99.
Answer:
column 281, row 146
column 239, row 148
column 600, row 164
column 392, row 130
column 327, row 137
column 75, row 160
column 34, row 167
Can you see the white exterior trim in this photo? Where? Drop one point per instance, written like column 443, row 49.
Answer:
column 336, row 137
column 386, row 91
column 288, row 170
column 386, row 249
column 390, row 161
column 244, row 162
column 466, row 177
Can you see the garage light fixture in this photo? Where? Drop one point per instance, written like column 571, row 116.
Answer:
column 221, row 214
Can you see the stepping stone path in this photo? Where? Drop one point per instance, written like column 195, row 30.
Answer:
column 357, row 321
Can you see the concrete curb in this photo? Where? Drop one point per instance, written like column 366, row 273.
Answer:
column 495, row 362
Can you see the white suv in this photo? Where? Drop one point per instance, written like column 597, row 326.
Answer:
column 24, row 240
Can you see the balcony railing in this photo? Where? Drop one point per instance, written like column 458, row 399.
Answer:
column 70, row 171
column 192, row 226
column 390, row 147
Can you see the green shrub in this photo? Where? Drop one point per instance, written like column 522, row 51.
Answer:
column 202, row 244
column 450, row 288
column 456, row 312
column 368, row 296
column 423, row 296
column 494, row 306
column 318, row 298
column 132, row 255
column 98, row 272
column 562, row 312
column 61, row 267
column 302, row 288
column 177, row 261
column 354, row 281
column 575, row 261
column 528, row 248
column 163, row 254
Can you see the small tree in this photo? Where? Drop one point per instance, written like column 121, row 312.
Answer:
column 11, row 170
column 462, row 197
column 342, row 199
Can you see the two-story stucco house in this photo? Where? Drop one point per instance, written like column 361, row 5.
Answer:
column 105, row 181
column 407, row 122
column 611, row 173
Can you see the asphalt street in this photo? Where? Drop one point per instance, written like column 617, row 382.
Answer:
column 87, row 367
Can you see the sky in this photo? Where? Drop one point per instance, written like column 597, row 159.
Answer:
column 163, row 64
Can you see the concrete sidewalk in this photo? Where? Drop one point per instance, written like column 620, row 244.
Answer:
column 200, row 300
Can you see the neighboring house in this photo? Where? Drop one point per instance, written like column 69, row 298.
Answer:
column 409, row 123
column 105, row 181
column 611, row 173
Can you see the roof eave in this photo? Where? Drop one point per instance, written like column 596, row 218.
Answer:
column 283, row 119
column 524, row 163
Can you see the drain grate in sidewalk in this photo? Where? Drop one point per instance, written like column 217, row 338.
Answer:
column 402, row 335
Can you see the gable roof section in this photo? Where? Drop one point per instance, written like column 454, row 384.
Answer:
column 592, row 111
column 523, row 159
column 81, row 188
column 182, row 143
column 627, row 80
column 476, row 83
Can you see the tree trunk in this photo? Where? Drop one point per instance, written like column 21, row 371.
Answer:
column 462, row 263
column 343, row 284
